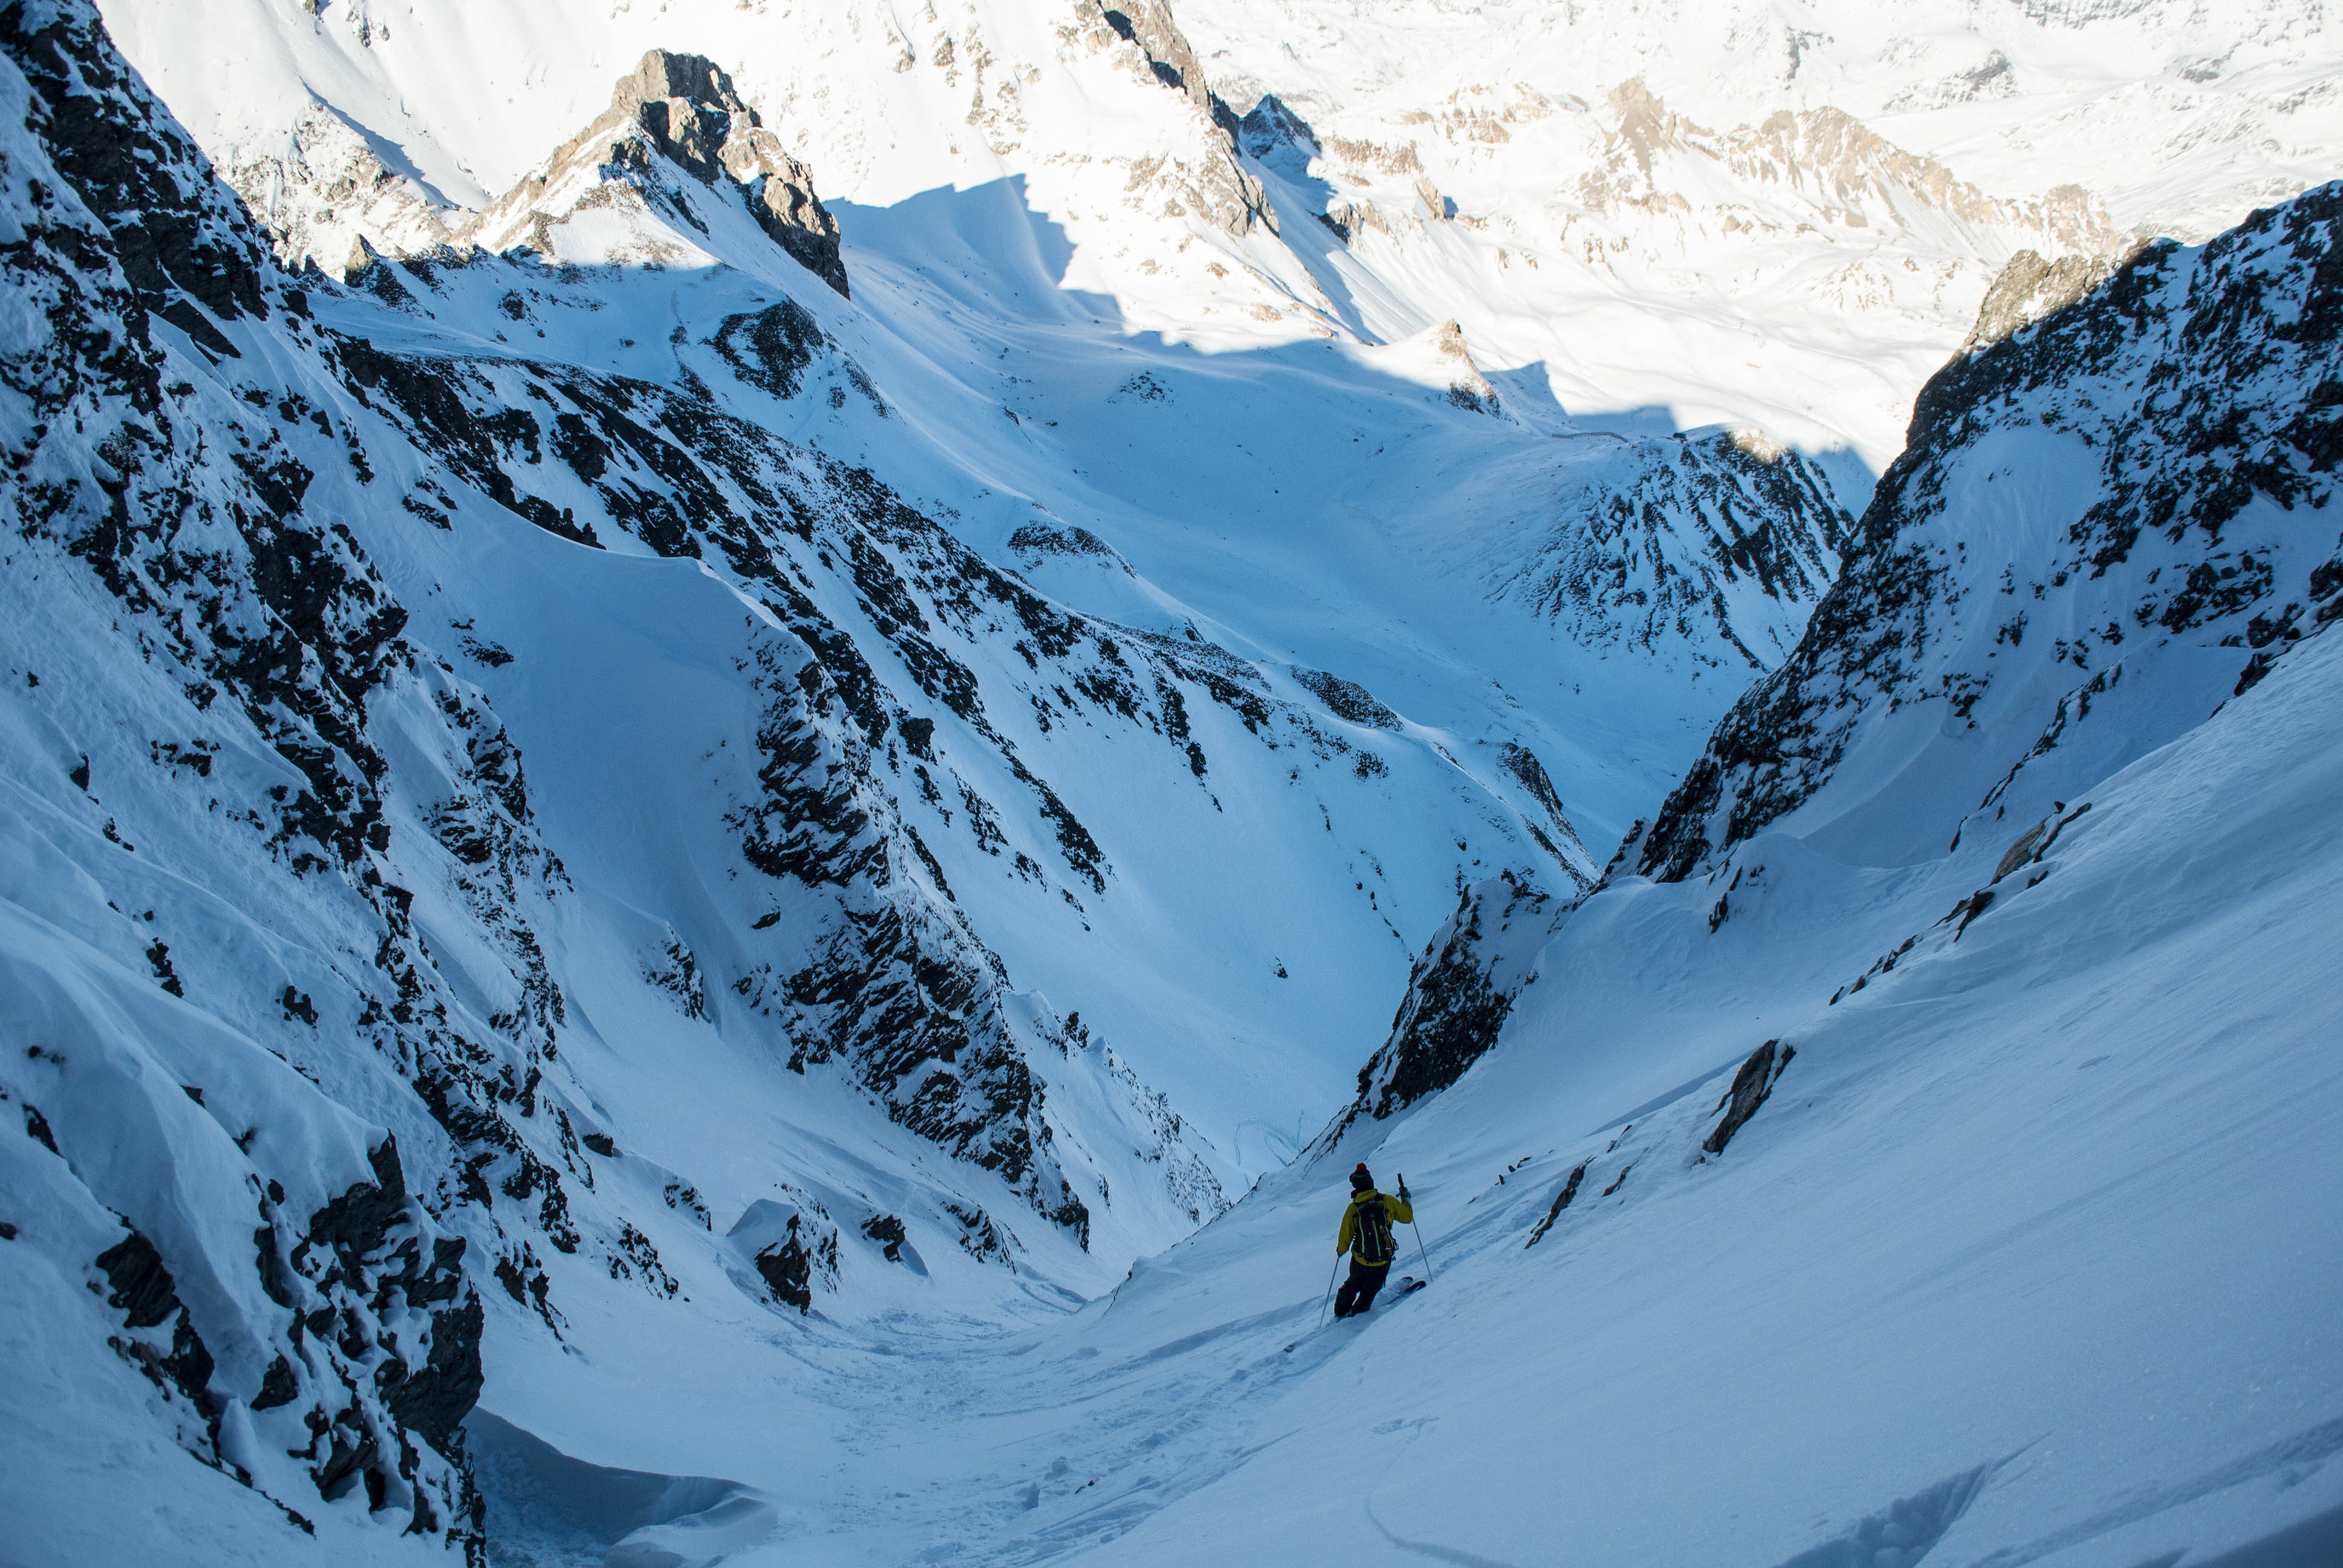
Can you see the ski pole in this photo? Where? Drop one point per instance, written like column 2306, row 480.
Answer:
column 1330, row 1289
column 1412, row 1225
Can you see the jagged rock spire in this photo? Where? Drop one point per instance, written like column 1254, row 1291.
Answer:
column 686, row 106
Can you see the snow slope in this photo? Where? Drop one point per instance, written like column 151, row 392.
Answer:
column 422, row 997
column 2024, row 1259
column 597, row 839
column 2017, row 1248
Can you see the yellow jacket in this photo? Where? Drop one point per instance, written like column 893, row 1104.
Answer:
column 1397, row 1208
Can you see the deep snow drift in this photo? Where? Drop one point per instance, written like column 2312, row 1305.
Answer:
column 705, row 846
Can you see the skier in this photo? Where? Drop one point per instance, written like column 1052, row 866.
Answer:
column 1366, row 1235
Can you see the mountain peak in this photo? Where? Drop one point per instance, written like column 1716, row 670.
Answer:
column 686, row 108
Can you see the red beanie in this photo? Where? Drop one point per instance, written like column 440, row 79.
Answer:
column 1359, row 1179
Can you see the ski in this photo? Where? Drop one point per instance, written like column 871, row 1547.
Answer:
column 1406, row 1285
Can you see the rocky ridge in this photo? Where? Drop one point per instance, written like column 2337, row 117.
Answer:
column 1459, row 994
column 350, row 1342
column 330, row 199
column 2166, row 440
column 681, row 109
column 329, row 196
column 2178, row 418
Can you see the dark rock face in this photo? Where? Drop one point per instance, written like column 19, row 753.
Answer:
column 676, row 136
column 2199, row 387
column 772, row 348
column 1526, row 770
column 1751, row 1085
column 1347, row 699
column 142, row 1291
column 1459, row 993
column 196, row 523
column 792, row 1243
column 300, row 631
column 179, row 237
column 372, row 1260
column 1271, row 132
column 1036, row 542
column 378, row 1344
column 1560, row 1202
column 790, row 1271
column 888, row 1231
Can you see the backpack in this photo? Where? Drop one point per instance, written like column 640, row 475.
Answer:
column 1373, row 1244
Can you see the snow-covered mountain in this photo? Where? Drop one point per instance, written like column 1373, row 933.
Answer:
column 2107, row 524
column 1655, row 216
column 382, row 646
column 1738, row 183
column 1937, row 1051
column 1199, row 540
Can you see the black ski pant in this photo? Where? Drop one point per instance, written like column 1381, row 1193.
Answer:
column 1358, row 1292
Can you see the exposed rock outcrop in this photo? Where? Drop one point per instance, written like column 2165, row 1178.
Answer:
column 2182, row 417
column 1718, row 542
column 1231, row 197
column 2029, row 289
column 1856, row 176
column 1347, row 699
column 681, row 109
column 1751, row 1085
column 329, row 195
column 1459, row 994
column 1151, row 24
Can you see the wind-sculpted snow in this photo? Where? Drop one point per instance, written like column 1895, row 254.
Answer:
column 2101, row 521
